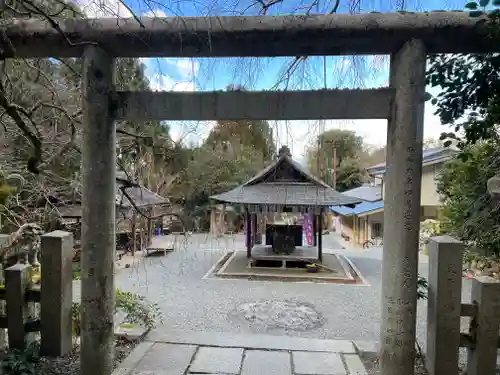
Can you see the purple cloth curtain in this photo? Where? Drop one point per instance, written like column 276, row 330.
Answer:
column 308, row 228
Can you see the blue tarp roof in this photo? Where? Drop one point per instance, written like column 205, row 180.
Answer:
column 360, row 208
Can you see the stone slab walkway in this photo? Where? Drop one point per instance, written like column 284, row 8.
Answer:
column 218, row 353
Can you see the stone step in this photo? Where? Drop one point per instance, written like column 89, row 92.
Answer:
column 251, row 341
column 232, row 354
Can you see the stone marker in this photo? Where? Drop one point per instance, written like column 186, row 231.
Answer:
column 57, row 293
column 16, row 280
column 482, row 358
column 494, row 186
column 444, row 304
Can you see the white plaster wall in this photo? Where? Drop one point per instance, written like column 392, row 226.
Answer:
column 429, row 194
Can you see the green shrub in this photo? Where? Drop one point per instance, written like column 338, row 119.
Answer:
column 136, row 308
column 21, row 362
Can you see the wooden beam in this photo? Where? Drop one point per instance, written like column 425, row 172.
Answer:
column 336, row 34
column 260, row 105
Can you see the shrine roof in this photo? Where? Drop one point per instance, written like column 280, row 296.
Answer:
column 126, row 191
column 285, row 182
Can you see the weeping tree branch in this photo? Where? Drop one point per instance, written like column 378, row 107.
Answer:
column 14, row 111
column 298, row 59
column 265, row 6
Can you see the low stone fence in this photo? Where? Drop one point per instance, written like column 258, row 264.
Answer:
column 53, row 295
column 445, row 309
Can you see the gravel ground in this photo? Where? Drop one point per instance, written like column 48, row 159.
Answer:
column 372, row 367
column 70, row 364
column 192, row 303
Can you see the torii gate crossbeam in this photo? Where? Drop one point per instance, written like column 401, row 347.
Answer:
column 254, row 36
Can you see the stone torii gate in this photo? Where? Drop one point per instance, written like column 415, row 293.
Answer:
column 407, row 37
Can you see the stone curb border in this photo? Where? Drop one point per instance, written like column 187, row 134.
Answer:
column 343, row 259
column 133, row 359
column 367, row 350
column 348, row 280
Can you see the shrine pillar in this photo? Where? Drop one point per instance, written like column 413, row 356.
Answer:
column 248, row 232
column 320, row 236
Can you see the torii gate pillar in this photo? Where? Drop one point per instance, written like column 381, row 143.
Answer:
column 98, row 216
column 402, row 210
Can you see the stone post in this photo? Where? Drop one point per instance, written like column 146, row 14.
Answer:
column 444, row 304
column 494, row 186
column 98, row 216
column 482, row 358
column 402, row 210
column 57, row 293
column 16, row 282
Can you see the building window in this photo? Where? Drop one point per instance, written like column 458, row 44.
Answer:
column 377, row 230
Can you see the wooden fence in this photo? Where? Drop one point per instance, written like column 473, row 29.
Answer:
column 20, row 315
column 445, row 310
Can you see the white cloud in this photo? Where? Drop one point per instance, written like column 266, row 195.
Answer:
column 104, row 8
column 163, row 82
column 113, row 8
column 155, row 13
column 190, row 131
column 161, row 73
column 187, row 68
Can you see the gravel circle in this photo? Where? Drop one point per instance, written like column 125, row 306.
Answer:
column 279, row 314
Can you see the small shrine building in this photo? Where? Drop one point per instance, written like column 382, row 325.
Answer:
column 285, row 187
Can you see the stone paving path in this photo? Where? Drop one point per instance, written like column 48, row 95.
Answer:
column 218, row 353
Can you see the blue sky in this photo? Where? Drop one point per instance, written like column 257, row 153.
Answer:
column 267, row 73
